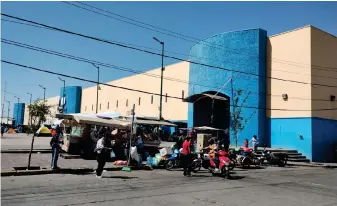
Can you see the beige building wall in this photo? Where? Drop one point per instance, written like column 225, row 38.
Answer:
column 294, row 47
column 323, row 63
column 53, row 102
column 173, row 109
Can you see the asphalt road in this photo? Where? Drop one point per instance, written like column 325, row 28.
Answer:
column 254, row 187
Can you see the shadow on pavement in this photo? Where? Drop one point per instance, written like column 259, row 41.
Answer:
column 236, row 177
column 120, row 177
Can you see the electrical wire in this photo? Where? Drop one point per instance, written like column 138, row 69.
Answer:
column 145, row 92
column 195, row 40
column 199, row 57
column 34, row 48
column 171, row 57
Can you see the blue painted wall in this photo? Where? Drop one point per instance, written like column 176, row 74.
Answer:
column 319, row 136
column 243, row 51
column 73, row 99
column 324, row 136
column 19, row 113
column 285, row 134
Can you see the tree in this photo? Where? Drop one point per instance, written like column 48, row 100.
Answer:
column 38, row 112
column 238, row 120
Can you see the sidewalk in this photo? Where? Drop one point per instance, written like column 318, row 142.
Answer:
column 10, row 160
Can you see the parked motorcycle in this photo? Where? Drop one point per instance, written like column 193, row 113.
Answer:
column 274, row 158
column 248, row 158
column 173, row 161
column 224, row 164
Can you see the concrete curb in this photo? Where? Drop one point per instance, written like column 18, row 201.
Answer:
column 50, row 171
column 313, row 165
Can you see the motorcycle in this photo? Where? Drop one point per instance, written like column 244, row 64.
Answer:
column 173, row 161
column 224, row 164
column 248, row 158
column 272, row 158
column 233, row 158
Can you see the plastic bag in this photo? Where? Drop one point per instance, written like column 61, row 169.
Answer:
column 112, row 154
column 134, row 154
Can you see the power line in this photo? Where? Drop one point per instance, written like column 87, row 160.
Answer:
column 199, row 57
column 141, row 91
column 153, row 53
column 195, row 40
column 26, row 46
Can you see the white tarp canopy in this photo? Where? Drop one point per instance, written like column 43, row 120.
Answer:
column 154, row 122
column 207, row 128
column 102, row 122
column 93, row 120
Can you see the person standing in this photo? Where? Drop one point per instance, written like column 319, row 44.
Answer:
column 55, row 144
column 2, row 130
column 255, row 142
column 186, row 156
column 102, row 153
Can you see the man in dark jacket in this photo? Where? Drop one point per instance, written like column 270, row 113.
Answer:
column 55, row 144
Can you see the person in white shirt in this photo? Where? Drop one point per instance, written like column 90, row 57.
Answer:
column 255, row 142
column 102, row 153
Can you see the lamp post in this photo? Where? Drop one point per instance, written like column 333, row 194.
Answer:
column 161, row 78
column 30, row 102
column 17, row 111
column 97, row 86
column 64, row 93
column 8, row 109
column 44, row 92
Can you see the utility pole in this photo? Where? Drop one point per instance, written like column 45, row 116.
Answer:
column 97, row 86
column 64, row 93
column 17, row 111
column 30, row 102
column 2, row 112
column 44, row 93
column 9, row 105
column 161, row 79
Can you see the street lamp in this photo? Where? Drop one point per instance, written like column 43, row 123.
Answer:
column 161, row 78
column 44, row 93
column 97, row 86
column 30, row 102
column 17, row 111
column 64, row 93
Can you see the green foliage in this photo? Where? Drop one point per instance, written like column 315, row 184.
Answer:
column 38, row 112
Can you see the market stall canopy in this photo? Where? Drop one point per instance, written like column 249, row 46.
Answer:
column 102, row 122
column 207, row 128
column 109, row 115
column 154, row 122
column 195, row 97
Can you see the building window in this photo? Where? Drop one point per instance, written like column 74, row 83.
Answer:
column 100, row 106
column 166, row 97
column 127, row 103
column 138, row 100
column 151, row 99
column 117, row 104
column 108, row 105
column 92, row 107
column 183, row 94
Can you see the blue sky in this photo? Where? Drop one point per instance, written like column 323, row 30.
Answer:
column 196, row 19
